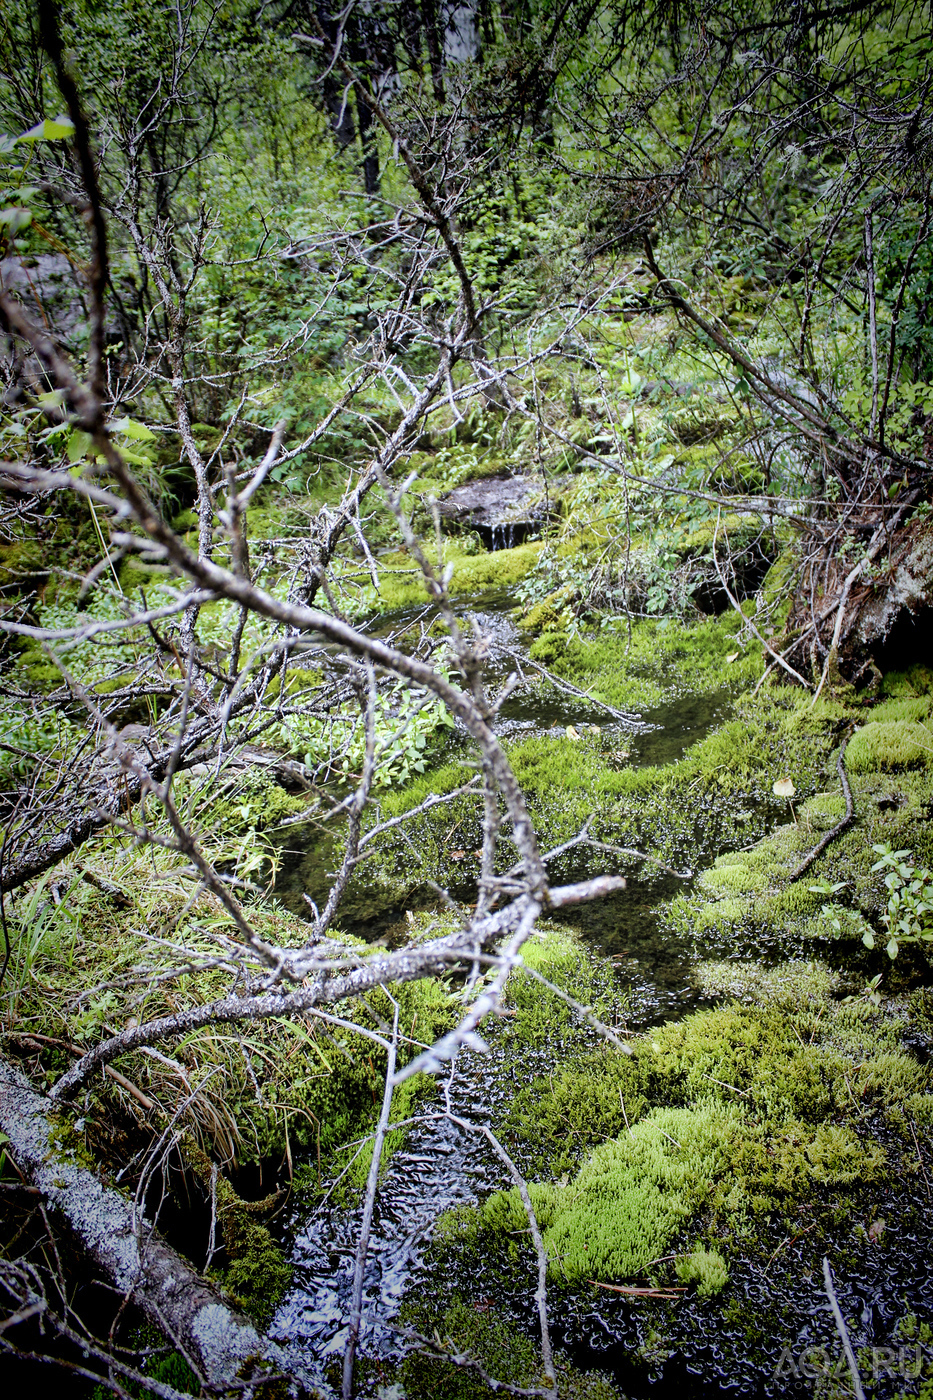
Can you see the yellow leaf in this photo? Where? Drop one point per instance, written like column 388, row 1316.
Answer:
column 51, row 129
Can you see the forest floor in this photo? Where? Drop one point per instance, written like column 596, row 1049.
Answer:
column 777, row 1104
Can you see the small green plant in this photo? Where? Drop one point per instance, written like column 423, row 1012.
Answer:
column 407, row 724
column 909, row 915
column 830, row 913
column 869, row 992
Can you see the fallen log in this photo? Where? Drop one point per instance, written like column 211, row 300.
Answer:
column 221, row 1345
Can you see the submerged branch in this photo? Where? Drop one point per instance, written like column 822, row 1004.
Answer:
column 842, row 826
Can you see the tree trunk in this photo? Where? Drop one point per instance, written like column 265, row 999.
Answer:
column 218, row 1342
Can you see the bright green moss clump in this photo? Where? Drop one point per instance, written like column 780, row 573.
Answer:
column 888, row 747
column 631, row 1197
column 916, row 680
column 704, row 1267
column 401, row 583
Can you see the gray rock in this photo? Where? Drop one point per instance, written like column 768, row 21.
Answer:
column 503, row 509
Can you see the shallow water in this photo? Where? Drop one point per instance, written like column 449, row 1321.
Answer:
column 438, row 1167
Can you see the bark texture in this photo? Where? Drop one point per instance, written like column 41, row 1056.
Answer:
column 219, row 1343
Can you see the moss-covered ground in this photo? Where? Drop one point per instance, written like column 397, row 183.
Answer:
column 788, row 1117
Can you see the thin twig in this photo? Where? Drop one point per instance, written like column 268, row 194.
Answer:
column 842, row 1330
column 840, row 827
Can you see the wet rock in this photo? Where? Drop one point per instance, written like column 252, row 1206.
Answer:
column 504, row 510
column 52, row 293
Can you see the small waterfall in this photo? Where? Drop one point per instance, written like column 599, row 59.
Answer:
column 505, row 536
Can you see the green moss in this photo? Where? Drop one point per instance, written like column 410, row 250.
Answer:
column 704, row 1267
column 660, row 659
column 405, row 1104
column 798, row 1069
column 551, row 614
column 778, row 587
column 135, row 575
column 909, row 707
column 837, row 1158
column 558, row 955
column 787, row 1163
column 732, row 878
column 791, row 984
column 291, row 1086
column 167, row 1367
column 21, row 560
column 252, row 801
column 401, row 584
column 297, row 680
column 631, row 1197
column 258, row 1273
column 822, row 811
column 890, row 746
column 753, row 888
column 480, row 1333
column 916, row 680
column 718, row 794
column 36, row 671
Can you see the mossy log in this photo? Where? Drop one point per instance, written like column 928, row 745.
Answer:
column 219, row 1343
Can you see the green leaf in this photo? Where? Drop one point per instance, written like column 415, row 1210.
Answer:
column 131, row 429
column 16, row 219
column 892, row 948
column 868, row 939
column 51, row 129
column 78, row 444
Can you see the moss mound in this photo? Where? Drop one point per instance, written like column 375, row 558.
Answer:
column 630, row 1198
column 706, row 1268
column 890, row 746
column 401, row 583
